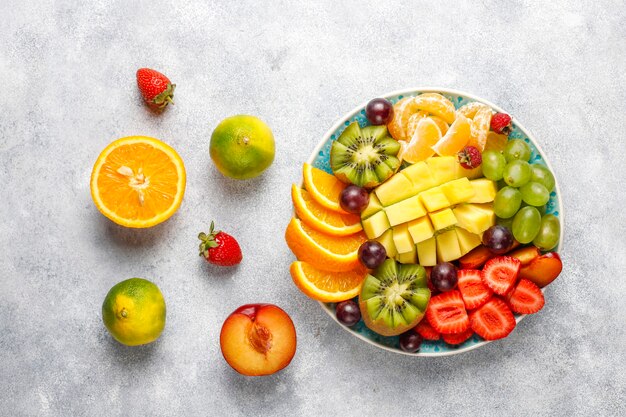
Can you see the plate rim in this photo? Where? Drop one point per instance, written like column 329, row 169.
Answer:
column 415, row 91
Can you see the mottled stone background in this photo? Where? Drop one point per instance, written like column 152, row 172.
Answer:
column 67, row 70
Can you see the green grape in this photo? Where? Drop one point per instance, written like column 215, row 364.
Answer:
column 493, row 165
column 517, row 149
column 508, row 223
column 534, row 193
column 516, row 173
column 507, row 202
column 526, row 224
column 542, row 175
column 549, row 233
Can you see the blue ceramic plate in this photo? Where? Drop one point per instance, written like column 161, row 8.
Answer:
column 321, row 159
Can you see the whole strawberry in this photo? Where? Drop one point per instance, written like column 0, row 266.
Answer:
column 219, row 248
column 501, row 123
column 156, row 88
column 470, row 157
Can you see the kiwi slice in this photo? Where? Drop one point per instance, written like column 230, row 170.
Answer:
column 364, row 157
column 394, row 298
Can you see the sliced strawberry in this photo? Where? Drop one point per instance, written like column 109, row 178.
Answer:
column 446, row 313
column 425, row 330
column 526, row 298
column 458, row 338
column 500, row 274
column 473, row 290
column 493, row 321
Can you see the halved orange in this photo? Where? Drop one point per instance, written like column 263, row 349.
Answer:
column 437, row 105
column 323, row 187
column 138, row 181
column 322, row 219
column 329, row 253
column 426, row 135
column 329, row 287
column 480, row 128
column 455, row 139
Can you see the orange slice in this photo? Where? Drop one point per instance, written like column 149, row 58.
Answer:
column 455, row 139
column 323, row 187
column 138, row 181
column 402, row 111
column 443, row 126
column 496, row 142
column 426, row 135
column 329, row 253
column 437, row 105
column 469, row 110
column 480, row 128
column 322, row 219
column 329, row 287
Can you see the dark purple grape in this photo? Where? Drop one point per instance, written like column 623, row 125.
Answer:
column 354, row 199
column 410, row 341
column 443, row 276
column 498, row 239
column 348, row 313
column 372, row 254
column 379, row 111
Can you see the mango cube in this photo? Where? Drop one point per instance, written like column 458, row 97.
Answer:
column 448, row 248
column 458, row 191
column 405, row 211
column 407, row 257
column 386, row 239
column 376, row 225
column 420, row 176
column 421, row 229
column 442, row 218
column 427, row 252
column 467, row 240
column 402, row 238
column 434, row 199
column 396, row 188
column 469, row 173
column 442, row 168
column 474, row 218
column 484, row 191
column 373, row 207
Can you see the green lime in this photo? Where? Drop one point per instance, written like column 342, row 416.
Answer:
column 242, row 147
column 134, row 312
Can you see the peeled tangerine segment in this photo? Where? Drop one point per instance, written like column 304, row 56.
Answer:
column 402, row 112
column 412, row 123
column 437, row 105
column 455, row 139
column 427, row 134
column 479, row 128
column 469, row 110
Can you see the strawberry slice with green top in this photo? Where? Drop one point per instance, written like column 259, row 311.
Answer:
column 446, row 313
column 458, row 338
column 500, row 274
column 493, row 321
column 427, row 332
column 526, row 298
column 473, row 290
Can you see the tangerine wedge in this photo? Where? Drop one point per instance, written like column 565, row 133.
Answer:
column 325, row 286
column 323, row 187
column 480, row 128
column 328, row 253
column 322, row 219
column 469, row 110
column 138, row 181
column 402, row 111
column 455, row 139
column 443, row 126
column 437, row 105
column 426, row 135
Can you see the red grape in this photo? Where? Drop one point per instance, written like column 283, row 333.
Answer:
column 372, row 254
column 498, row 239
column 348, row 313
column 410, row 341
column 379, row 111
column 354, row 199
column 443, row 276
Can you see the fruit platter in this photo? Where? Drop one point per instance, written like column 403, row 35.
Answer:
column 428, row 222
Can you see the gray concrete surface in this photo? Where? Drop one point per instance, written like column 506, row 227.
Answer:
column 68, row 89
